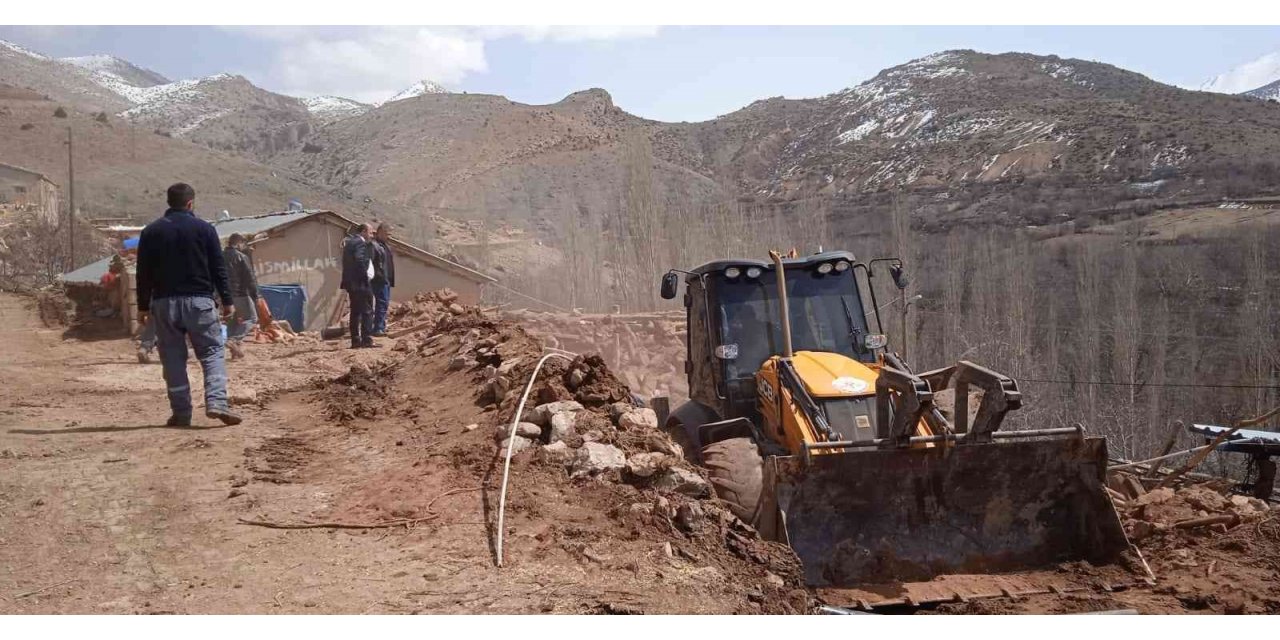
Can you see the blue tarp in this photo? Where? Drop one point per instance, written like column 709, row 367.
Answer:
column 286, row 302
column 131, row 243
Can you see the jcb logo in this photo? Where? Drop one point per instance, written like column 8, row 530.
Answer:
column 766, row 390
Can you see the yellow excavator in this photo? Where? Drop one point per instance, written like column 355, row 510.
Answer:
column 812, row 431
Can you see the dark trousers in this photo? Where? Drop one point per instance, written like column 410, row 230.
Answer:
column 361, row 317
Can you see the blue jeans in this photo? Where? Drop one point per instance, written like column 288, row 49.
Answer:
column 180, row 318
column 147, row 339
column 246, row 317
column 382, row 299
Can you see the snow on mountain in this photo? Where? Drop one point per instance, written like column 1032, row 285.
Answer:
column 1268, row 92
column 21, row 50
column 419, row 88
column 328, row 109
column 110, row 71
column 1247, row 77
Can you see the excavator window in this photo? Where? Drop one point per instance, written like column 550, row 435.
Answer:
column 822, row 310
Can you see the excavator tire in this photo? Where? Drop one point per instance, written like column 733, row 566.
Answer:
column 737, row 473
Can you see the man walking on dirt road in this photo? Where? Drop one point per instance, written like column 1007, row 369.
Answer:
column 244, row 293
column 180, row 270
column 357, row 276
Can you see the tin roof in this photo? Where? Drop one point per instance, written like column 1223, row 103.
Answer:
column 249, row 226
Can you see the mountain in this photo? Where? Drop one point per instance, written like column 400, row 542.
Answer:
column 1267, row 92
column 122, row 170
column 62, row 81
column 328, row 109
column 1247, row 77
column 419, row 88
column 223, row 112
column 963, row 135
column 115, row 69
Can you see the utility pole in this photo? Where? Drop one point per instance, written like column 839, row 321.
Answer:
column 71, row 202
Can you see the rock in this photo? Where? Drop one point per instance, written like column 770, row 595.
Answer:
column 617, row 409
column 541, row 414
column 774, row 579
column 1156, row 496
column 576, row 378
column 638, row 420
column 507, row 366
column 640, row 507
column 456, row 309
column 681, row 480
column 462, row 361
column 243, row 397
column 523, row 430
column 471, row 427
column 561, row 426
column 593, row 435
column 662, row 507
column 555, row 453
column 594, row 458
column 521, row 444
column 666, row 550
column 689, row 517
column 662, row 443
column 644, row 465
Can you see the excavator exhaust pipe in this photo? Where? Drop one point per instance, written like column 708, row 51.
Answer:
column 907, row 514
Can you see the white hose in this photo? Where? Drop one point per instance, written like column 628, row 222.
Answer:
column 511, row 443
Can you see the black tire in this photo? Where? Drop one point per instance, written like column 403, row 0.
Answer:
column 737, row 473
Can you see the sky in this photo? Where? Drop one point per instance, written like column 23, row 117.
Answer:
column 664, row 73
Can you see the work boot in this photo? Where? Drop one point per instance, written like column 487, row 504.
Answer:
column 227, row 416
column 237, row 351
column 178, row 421
column 369, row 344
column 144, row 356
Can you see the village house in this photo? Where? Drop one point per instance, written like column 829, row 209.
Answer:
column 26, row 190
column 304, row 248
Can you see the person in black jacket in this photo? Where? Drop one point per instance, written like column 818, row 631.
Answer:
column 244, row 293
column 180, row 271
column 357, row 272
column 384, row 277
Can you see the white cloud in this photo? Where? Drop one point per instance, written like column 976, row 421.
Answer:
column 370, row 64
column 569, row 33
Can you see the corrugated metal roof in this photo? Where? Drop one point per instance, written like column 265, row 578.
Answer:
column 92, row 273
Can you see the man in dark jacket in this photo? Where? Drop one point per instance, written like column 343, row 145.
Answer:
column 384, row 277
column 180, row 271
column 357, row 272
column 244, row 293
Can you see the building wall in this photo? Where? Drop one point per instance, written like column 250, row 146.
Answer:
column 25, row 189
column 309, row 253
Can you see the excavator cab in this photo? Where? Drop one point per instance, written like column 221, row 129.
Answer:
column 816, row 433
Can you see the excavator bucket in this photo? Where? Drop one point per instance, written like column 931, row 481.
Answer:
column 910, row 514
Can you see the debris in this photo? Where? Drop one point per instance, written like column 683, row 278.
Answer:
column 594, row 458
column 638, row 420
column 520, row 444
column 561, row 426
column 557, row 453
column 644, row 465
column 684, row 481
column 541, row 414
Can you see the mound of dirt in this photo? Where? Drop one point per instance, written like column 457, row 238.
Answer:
column 592, row 475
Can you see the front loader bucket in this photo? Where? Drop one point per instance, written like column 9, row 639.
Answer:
column 875, row 516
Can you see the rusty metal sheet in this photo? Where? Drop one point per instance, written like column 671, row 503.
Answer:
column 887, row 516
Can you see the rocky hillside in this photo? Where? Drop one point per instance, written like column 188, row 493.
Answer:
column 1012, row 133
column 122, row 169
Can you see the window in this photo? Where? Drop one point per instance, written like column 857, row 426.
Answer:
column 17, row 188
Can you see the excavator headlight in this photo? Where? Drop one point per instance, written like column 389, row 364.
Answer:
column 825, row 268
column 753, row 272
column 842, row 266
column 875, row 341
column 732, row 272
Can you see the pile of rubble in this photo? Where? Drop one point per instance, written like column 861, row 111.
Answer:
column 1195, row 508
column 422, row 312
column 648, row 349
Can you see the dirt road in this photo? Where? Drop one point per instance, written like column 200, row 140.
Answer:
column 103, row 511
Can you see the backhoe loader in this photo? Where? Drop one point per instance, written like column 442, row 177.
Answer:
column 819, row 436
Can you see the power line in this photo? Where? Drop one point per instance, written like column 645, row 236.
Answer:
column 1185, row 385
